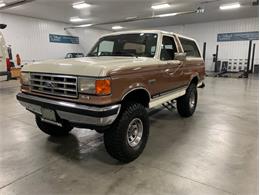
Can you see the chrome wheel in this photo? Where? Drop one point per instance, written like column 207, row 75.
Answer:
column 192, row 100
column 134, row 132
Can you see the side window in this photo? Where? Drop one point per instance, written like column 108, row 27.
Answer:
column 190, row 47
column 168, row 48
column 106, row 47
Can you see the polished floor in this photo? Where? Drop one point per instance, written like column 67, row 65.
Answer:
column 213, row 152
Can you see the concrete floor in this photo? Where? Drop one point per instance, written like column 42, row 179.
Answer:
column 213, row 152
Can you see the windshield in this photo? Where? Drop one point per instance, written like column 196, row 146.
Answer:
column 139, row 45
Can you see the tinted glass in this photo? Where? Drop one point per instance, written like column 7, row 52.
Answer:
column 168, row 48
column 190, row 47
column 143, row 44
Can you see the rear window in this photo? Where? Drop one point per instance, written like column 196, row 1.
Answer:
column 190, row 47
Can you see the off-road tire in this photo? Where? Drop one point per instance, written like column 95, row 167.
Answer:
column 183, row 103
column 53, row 130
column 116, row 138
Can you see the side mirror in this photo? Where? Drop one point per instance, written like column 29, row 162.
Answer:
column 180, row 56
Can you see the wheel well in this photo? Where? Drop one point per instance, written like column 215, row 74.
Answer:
column 195, row 80
column 138, row 95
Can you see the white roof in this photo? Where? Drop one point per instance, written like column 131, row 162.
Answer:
column 147, row 31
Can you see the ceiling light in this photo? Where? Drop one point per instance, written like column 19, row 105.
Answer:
column 166, row 15
column 230, row 6
column 131, row 17
column 2, row 4
column 76, row 19
column 117, row 27
column 161, row 6
column 80, row 5
column 85, row 25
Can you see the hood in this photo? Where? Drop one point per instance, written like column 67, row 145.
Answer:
column 88, row 66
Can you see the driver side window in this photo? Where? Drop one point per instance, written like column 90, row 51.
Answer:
column 106, row 47
column 168, row 48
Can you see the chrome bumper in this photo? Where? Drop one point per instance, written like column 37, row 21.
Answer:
column 77, row 114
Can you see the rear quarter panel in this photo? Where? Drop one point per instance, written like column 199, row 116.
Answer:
column 192, row 66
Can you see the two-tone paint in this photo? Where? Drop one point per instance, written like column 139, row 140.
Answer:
column 152, row 75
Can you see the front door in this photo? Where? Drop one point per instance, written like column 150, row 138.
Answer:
column 171, row 70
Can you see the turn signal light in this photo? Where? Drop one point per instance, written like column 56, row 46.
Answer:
column 103, row 87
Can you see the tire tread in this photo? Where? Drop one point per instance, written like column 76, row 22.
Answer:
column 183, row 106
column 114, row 138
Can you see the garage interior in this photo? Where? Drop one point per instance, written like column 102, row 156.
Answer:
column 216, row 151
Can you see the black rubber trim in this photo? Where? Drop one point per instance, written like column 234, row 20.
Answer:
column 22, row 97
column 169, row 91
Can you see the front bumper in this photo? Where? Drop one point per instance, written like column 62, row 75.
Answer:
column 76, row 114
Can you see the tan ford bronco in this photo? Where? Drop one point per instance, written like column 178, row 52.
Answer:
column 111, row 90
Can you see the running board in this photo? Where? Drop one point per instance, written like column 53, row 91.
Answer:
column 171, row 106
column 166, row 98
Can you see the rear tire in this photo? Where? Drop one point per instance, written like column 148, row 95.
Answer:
column 186, row 105
column 127, row 137
column 53, row 130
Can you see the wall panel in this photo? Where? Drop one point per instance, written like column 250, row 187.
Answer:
column 30, row 38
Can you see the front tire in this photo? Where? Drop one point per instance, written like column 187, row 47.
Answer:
column 53, row 130
column 127, row 138
column 186, row 105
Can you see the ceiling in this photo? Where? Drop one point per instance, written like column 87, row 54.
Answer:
column 111, row 10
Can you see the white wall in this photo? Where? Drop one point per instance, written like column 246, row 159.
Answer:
column 30, row 38
column 207, row 32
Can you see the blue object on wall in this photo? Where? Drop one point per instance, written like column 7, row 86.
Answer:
column 63, row 39
column 238, row 36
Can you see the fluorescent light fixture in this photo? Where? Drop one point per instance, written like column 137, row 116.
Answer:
column 76, row 19
column 80, row 5
column 85, row 25
column 2, row 4
column 131, row 17
column 117, row 27
column 160, row 6
column 230, row 6
column 166, row 15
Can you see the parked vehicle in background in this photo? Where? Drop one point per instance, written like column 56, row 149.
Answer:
column 4, row 59
column 74, row 55
column 110, row 91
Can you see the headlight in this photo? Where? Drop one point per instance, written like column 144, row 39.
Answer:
column 95, row 86
column 25, row 78
column 87, row 85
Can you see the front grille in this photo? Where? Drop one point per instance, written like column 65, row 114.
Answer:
column 57, row 85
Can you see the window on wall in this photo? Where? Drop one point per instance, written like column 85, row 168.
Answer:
column 190, row 47
column 168, row 48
